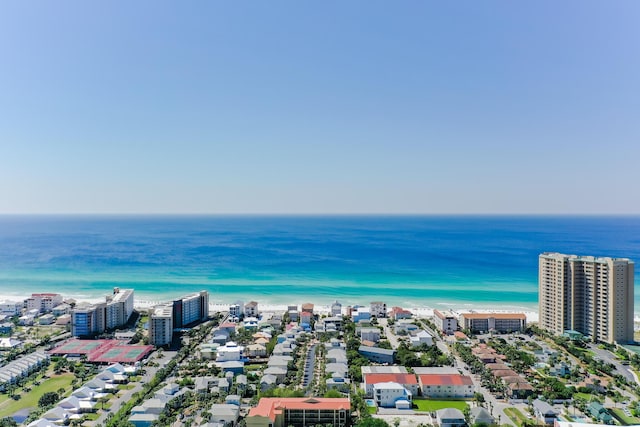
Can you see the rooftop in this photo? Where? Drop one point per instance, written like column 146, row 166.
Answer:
column 445, row 379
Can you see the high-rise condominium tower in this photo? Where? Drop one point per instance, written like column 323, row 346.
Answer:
column 591, row 295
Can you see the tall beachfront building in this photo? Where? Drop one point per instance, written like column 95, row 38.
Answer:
column 191, row 309
column 161, row 325
column 591, row 295
column 94, row 319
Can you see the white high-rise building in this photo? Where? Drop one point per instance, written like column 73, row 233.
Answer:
column 591, row 295
column 119, row 307
column 161, row 325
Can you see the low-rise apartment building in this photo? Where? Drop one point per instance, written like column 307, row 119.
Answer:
column 299, row 412
column 498, row 322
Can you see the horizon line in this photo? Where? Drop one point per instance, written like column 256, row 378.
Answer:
column 318, row 214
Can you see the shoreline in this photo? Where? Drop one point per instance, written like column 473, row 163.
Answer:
column 320, row 307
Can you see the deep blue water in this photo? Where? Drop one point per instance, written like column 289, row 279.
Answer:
column 423, row 260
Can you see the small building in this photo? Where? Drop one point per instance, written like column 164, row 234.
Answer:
column 398, row 313
column 251, row 309
column 370, row 334
column 450, row 417
column 361, row 314
column 229, row 352
column 307, row 308
column 336, row 309
column 387, row 394
column 544, row 412
column 599, row 413
column 377, row 355
column 46, row 319
column 480, row 415
column 408, row 381
column 422, row 337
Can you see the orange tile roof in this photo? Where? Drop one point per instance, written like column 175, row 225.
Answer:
column 271, row 406
column 494, row 315
column 395, row 378
column 445, row 379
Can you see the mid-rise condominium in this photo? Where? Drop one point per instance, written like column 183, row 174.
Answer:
column 161, row 325
column 191, row 309
column 591, row 295
column 96, row 318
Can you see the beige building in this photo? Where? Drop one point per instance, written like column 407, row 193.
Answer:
column 161, row 325
column 498, row 322
column 591, row 295
column 445, row 321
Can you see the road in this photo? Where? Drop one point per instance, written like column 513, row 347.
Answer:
column 309, row 365
column 125, row 396
column 608, row 357
column 391, row 337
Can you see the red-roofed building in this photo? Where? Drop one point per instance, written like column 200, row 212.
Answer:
column 398, row 313
column 446, row 385
column 299, row 412
column 408, row 381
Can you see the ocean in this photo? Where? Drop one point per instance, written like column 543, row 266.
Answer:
column 485, row 262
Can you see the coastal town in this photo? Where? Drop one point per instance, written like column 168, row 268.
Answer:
column 181, row 363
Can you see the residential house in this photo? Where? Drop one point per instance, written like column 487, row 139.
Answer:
column 398, row 313
column 392, row 395
column 408, row 381
column 370, row 334
column 450, row 417
column 544, row 412
column 377, row 355
column 480, row 415
column 422, row 337
column 599, row 413
column 251, row 309
column 336, row 309
column 225, row 414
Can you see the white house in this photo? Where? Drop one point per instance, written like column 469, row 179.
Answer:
column 229, row 352
column 391, row 395
column 422, row 337
column 450, row 417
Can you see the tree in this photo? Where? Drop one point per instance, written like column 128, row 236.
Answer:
column 333, row 393
column 8, row 422
column 48, row 399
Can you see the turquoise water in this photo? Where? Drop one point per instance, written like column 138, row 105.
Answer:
column 432, row 261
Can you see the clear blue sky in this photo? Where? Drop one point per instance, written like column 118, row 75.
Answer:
column 320, row 107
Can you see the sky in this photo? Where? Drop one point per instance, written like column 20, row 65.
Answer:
column 332, row 107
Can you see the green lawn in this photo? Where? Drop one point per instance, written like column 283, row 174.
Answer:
column 428, row 405
column 516, row 416
column 372, row 409
column 623, row 418
column 586, row 396
column 30, row 400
